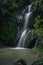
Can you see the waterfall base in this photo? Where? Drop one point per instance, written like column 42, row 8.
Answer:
column 18, row 48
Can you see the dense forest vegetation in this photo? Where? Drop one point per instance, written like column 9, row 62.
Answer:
column 9, row 24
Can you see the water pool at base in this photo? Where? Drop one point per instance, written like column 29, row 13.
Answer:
column 8, row 55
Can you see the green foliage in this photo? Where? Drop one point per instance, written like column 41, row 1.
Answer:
column 40, row 46
column 38, row 26
column 7, row 20
column 8, row 32
column 37, row 4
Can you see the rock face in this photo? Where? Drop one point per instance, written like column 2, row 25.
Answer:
column 32, row 40
column 1, row 45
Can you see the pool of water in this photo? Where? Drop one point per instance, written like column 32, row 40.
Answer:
column 8, row 55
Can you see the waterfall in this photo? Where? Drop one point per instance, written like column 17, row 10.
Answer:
column 27, row 18
column 22, row 38
column 27, row 15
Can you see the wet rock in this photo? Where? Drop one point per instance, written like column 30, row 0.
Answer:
column 19, row 62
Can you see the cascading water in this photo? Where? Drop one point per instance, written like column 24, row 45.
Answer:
column 27, row 16
column 22, row 39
